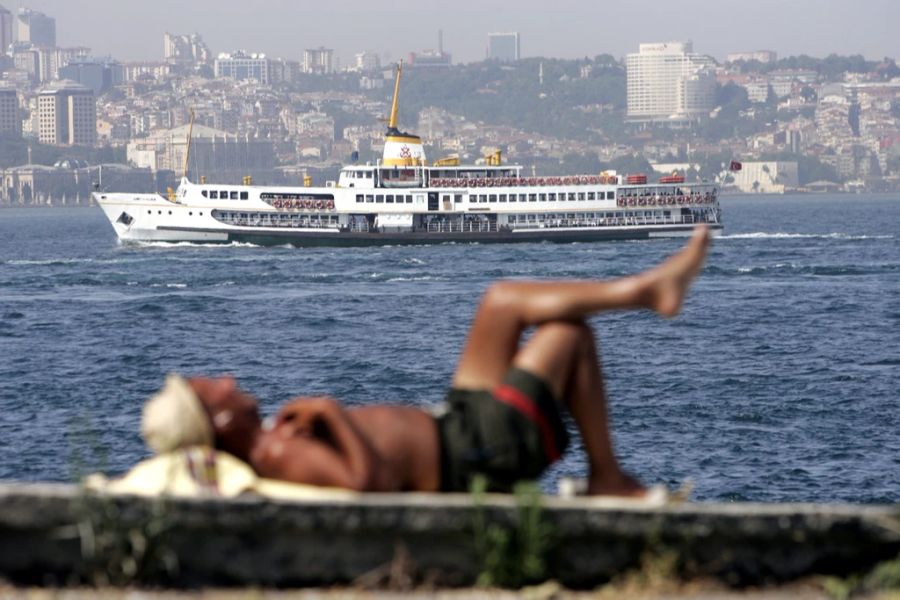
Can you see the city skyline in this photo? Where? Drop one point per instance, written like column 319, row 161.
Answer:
column 568, row 29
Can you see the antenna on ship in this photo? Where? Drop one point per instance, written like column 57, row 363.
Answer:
column 392, row 122
column 187, row 155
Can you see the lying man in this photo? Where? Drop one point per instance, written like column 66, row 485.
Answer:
column 502, row 416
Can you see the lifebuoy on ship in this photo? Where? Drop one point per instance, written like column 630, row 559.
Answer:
column 307, row 204
column 319, row 204
column 330, row 205
column 276, row 203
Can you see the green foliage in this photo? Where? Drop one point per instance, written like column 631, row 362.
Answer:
column 512, row 556
column 504, row 94
column 116, row 551
column 885, row 577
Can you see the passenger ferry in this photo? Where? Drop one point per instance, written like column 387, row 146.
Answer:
column 403, row 200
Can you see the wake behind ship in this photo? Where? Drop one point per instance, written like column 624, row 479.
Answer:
column 402, row 200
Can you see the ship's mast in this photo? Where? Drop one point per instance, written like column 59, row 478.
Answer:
column 392, row 123
column 187, row 155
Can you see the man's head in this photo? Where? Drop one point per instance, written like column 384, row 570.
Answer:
column 201, row 410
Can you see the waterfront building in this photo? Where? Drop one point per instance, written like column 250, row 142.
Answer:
column 10, row 122
column 318, row 60
column 215, row 154
column 503, row 47
column 67, row 115
column 669, row 82
column 6, row 31
column 766, row 177
column 243, row 66
column 35, row 27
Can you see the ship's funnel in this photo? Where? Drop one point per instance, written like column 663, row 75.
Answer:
column 401, row 149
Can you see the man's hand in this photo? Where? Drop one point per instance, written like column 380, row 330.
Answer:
column 305, row 417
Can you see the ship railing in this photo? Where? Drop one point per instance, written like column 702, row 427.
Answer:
column 465, row 227
column 624, row 221
column 295, row 222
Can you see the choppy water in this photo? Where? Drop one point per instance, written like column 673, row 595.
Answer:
column 780, row 380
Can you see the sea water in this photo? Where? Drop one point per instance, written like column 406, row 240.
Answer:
column 779, row 381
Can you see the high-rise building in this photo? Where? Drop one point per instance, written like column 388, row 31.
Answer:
column 10, row 123
column 97, row 74
column 763, row 56
column 503, row 46
column 318, row 60
column 243, row 66
column 6, row 30
column 367, row 62
column 35, row 27
column 67, row 115
column 185, row 48
column 669, row 82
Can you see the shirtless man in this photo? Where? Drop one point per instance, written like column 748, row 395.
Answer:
column 503, row 409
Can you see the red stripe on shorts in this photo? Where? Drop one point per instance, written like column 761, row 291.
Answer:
column 525, row 405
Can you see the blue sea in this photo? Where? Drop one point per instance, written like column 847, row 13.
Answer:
column 779, row 381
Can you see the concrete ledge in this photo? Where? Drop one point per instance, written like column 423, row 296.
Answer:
column 58, row 534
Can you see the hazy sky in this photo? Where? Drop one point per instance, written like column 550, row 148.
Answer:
column 133, row 29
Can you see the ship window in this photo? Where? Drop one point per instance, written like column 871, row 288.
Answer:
column 552, row 196
column 492, row 198
column 245, row 195
column 532, row 197
column 523, row 198
column 213, row 194
column 590, row 195
column 234, row 195
column 389, row 198
column 446, row 197
column 359, row 197
column 379, row 198
column 581, row 195
column 543, row 197
column 610, row 195
column 204, row 193
column 223, row 195
column 370, row 198
column 502, row 197
column 571, row 196
column 409, row 199
column 457, row 198
column 149, row 212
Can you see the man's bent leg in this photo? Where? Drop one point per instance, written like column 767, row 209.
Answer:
column 564, row 355
column 508, row 307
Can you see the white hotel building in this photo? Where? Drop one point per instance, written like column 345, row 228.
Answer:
column 668, row 82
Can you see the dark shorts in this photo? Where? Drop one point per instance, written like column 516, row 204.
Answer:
column 507, row 434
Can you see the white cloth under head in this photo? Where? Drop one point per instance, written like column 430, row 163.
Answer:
column 174, row 418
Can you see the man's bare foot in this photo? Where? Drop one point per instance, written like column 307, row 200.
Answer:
column 667, row 284
column 621, row 484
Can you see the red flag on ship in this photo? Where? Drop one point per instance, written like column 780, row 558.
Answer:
column 735, row 166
